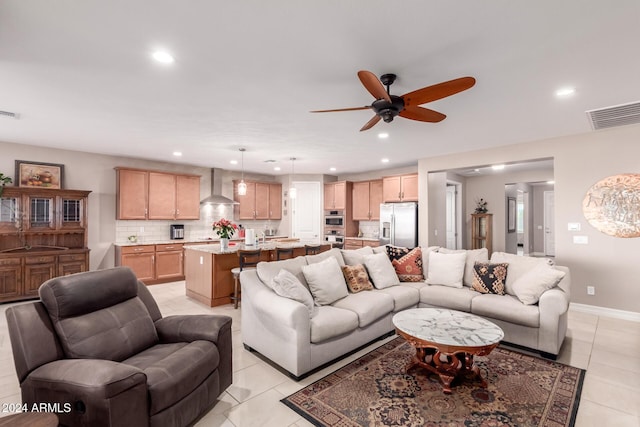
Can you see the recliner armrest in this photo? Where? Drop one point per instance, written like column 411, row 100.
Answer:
column 105, row 377
column 193, row 327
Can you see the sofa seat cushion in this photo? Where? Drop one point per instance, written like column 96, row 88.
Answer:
column 507, row 308
column 330, row 322
column 448, row 297
column 369, row 306
column 403, row 296
column 175, row 370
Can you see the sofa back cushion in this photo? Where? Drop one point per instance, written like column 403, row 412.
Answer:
column 355, row 256
column 268, row 270
column 446, row 269
column 333, row 252
column 518, row 266
column 98, row 315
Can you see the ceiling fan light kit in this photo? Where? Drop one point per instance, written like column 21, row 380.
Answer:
column 387, row 106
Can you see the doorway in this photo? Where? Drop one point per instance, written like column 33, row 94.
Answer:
column 453, row 215
column 549, row 224
column 306, row 212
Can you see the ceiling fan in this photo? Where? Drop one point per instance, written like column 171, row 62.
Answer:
column 387, row 106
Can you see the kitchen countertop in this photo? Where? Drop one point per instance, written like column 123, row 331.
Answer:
column 189, row 241
column 364, row 238
column 215, row 249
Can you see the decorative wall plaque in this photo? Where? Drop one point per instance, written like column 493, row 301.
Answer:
column 612, row 205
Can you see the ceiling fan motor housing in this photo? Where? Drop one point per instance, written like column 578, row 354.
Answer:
column 388, row 110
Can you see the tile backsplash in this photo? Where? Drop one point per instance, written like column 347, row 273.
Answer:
column 154, row 231
column 369, row 228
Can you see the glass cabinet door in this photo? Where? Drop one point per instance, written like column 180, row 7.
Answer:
column 41, row 213
column 72, row 213
column 9, row 212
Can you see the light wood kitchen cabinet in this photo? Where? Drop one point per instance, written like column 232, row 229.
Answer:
column 141, row 259
column 262, row 201
column 169, row 262
column 400, row 188
column 335, row 195
column 367, row 196
column 154, row 195
column 357, row 243
column 43, row 234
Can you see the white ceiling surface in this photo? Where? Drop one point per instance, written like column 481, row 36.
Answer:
column 247, row 73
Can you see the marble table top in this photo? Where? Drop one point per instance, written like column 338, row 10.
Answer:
column 448, row 327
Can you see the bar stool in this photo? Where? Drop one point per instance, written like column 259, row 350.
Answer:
column 284, row 253
column 311, row 249
column 246, row 258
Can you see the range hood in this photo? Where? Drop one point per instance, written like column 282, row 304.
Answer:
column 216, row 197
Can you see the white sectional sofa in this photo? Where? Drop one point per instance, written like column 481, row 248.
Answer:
column 300, row 337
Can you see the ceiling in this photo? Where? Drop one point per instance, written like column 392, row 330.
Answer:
column 246, row 74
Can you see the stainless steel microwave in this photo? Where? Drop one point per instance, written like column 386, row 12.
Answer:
column 334, row 220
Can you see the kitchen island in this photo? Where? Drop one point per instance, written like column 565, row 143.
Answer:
column 208, row 275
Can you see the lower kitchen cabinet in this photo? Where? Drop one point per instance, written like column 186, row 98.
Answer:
column 357, row 243
column 153, row 263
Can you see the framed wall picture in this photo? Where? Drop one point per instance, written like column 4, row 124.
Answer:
column 38, row 174
column 511, row 214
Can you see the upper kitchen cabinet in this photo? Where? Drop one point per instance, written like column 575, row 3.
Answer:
column 262, row 201
column 367, row 196
column 335, row 195
column 400, row 188
column 143, row 194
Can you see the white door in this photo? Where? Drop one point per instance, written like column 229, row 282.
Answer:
column 451, row 216
column 306, row 216
column 549, row 225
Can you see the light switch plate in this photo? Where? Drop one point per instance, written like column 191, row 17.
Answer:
column 573, row 226
column 581, row 240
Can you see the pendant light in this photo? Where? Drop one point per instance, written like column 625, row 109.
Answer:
column 292, row 190
column 242, row 186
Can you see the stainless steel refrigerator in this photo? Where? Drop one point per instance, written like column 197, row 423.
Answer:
column 399, row 224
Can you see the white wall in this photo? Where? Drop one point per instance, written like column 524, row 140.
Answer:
column 608, row 263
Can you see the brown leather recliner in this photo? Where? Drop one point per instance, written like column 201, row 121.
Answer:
column 97, row 348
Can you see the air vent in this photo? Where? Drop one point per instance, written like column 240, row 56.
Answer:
column 618, row 115
column 8, row 114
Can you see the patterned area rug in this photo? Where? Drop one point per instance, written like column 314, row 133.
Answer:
column 375, row 390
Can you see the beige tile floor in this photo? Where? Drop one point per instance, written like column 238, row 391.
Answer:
column 608, row 348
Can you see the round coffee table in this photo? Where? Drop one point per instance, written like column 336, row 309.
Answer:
column 446, row 341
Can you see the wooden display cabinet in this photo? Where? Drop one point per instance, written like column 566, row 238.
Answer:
column 43, row 234
column 482, row 231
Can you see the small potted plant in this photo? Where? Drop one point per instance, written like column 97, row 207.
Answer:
column 481, row 206
column 4, row 180
column 225, row 229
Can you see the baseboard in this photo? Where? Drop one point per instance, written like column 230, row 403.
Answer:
column 604, row 311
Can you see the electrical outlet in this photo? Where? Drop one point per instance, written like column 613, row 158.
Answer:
column 142, row 229
column 591, row 290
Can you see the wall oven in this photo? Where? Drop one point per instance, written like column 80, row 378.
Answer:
column 335, row 240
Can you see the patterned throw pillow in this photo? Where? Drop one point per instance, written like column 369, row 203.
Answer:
column 396, row 252
column 489, row 278
column 357, row 278
column 409, row 267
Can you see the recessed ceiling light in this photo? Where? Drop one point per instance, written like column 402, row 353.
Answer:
column 565, row 92
column 163, row 57
column 385, row 160
column 332, row 169
column 383, row 135
column 476, row 170
column 177, row 153
column 551, row 182
column 497, row 167
column 233, row 162
column 277, row 168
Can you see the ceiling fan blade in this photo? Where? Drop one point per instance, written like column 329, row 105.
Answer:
column 422, row 114
column 341, row 109
column 373, row 85
column 438, row 91
column 371, row 123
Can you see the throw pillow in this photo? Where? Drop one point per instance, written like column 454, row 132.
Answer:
column 287, row 285
column 489, row 278
column 446, row 269
column 380, row 270
column 473, row 256
column 532, row 284
column 357, row 278
column 409, row 267
column 355, row 256
column 326, row 281
column 518, row 266
column 396, row 252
